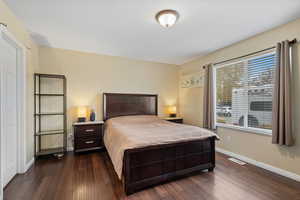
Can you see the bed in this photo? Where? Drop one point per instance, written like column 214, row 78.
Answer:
column 146, row 150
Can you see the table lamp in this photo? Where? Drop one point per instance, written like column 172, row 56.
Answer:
column 172, row 111
column 82, row 113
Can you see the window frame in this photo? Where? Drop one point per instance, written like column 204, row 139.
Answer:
column 245, row 128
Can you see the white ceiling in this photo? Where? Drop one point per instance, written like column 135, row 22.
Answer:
column 128, row 28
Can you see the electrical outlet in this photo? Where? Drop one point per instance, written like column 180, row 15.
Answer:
column 70, row 139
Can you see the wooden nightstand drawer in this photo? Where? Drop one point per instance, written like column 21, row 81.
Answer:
column 88, row 136
column 90, row 142
column 88, row 130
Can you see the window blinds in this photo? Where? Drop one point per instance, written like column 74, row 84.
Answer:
column 244, row 92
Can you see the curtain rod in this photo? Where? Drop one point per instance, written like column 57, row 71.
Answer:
column 273, row 47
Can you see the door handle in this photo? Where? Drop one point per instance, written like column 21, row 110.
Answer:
column 89, row 130
column 90, row 142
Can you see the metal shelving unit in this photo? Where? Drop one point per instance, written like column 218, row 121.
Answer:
column 50, row 111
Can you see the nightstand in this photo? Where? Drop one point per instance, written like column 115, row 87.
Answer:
column 88, row 136
column 174, row 119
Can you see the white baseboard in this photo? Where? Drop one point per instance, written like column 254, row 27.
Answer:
column 271, row 168
column 29, row 164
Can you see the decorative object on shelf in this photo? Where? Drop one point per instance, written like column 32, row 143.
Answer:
column 50, row 116
column 192, row 80
column 81, row 113
column 3, row 24
column 88, row 136
column 167, row 18
column 172, row 111
column 92, row 115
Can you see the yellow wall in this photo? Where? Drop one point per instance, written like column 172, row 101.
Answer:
column 89, row 75
column 19, row 31
column 255, row 146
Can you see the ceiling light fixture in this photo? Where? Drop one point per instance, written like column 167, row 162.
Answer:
column 167, row 18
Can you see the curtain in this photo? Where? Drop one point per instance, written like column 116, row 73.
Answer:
column 282, row 108
column 208, row 98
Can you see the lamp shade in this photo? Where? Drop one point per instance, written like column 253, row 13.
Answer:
column 172, row 110
column 82, row 112
column 167, row 18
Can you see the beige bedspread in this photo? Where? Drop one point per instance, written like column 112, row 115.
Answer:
column 129, row 132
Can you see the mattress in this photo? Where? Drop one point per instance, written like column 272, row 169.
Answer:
column 129, row 132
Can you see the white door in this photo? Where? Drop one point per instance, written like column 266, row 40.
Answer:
column 8, row 101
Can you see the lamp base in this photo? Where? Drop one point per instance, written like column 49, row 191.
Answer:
column 172, row 115
column 81, row 119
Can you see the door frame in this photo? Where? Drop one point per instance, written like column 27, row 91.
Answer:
column 5, row 36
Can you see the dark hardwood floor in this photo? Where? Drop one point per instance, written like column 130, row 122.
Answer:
column 90, row 176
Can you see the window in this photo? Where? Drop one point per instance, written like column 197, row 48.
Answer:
column 243, row 93
column 261, row 106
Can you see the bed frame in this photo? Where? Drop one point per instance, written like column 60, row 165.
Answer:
column 148, row 166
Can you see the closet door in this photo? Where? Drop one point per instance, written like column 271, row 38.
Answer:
column 8, row 110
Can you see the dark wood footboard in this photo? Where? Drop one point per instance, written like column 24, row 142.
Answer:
column 148, row 166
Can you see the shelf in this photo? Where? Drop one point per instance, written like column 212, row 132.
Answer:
column 55, row 132
column 46, row 86
column 50, row 151
column 51, row 76
column 50, row 95
column 49, row 113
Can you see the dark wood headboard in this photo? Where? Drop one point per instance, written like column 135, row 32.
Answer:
column 118, row 104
